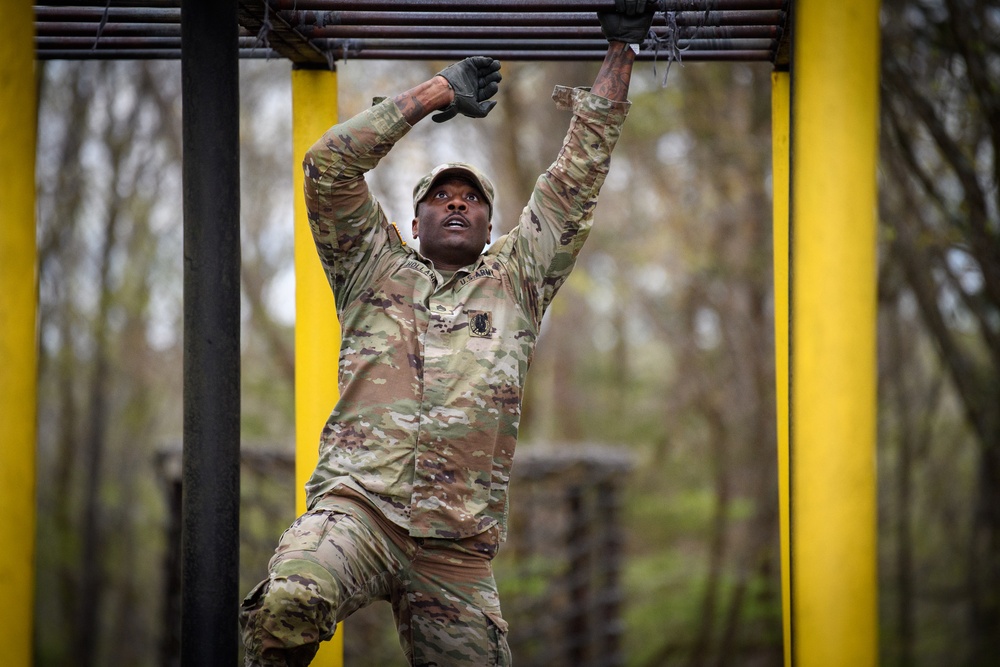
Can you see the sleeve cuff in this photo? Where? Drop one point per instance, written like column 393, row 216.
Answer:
column 585, row 103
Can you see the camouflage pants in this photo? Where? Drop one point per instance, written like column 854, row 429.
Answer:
column 343, row 555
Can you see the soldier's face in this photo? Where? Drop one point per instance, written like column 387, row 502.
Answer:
column 452, row 223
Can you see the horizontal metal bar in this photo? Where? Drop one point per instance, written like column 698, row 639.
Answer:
column 117, row 4
column 492, row 19
column 515, row 5
column 487, row 46
column 114, row 14
column 539, row 56
column 302, row 19
column 351, row 49
column 445, row 5
column 141, row 54
column 75, row 42
column 372, row 48
column 409, row 11
column 575, row 55
column 516, row 32
column 110, row 54
column 113, row 30
column 69, row 29
column 319, row 25
column 122, row 43
column 761, row 12
column 54, row 28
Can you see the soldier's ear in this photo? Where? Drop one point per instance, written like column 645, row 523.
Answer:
column 415, row 228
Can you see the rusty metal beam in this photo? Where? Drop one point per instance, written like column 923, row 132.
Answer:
column 115, row 3
column 255, row 16
column 573, row 55
column 85, row 29
column 483, row 18
column 355, row 47
column 448, row 32
column 131, row 54
column 263, row 53
column 105, row 42
column 414, row 5
column 516, row 5
column 125, row 44
column 94, row 12
column 300, row 19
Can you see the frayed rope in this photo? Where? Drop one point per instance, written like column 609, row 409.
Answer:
column 670, row 41
column 263, row 35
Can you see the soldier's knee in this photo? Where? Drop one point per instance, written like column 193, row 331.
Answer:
column 286, row 615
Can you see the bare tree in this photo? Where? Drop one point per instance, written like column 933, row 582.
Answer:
column 99, row 187
column 941, row 142
column 662, row 339
column 110, row 386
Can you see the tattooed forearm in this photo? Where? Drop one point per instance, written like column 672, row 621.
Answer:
column 411, row 107
column 616, row 72
column 424, row 99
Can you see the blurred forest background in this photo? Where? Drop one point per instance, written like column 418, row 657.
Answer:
column 660, row 345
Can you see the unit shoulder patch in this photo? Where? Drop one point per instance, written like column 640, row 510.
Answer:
column 480, row 323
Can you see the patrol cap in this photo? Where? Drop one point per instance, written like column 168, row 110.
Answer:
column 454, row 169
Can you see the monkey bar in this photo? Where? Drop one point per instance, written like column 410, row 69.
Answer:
column 824, row 189
column 318, row 32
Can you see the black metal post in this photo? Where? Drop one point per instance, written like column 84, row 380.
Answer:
column 579, row 549
column 611, row 546
column 210, row 85
column 170, row 640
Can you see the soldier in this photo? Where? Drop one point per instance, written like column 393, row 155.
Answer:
column 409, row 500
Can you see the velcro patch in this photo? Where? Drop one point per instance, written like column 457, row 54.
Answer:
column 481, row 323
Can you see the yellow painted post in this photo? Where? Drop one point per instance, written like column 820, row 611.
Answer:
column 317, row 331
column 18, row 338
column 835, row 61
column 780, row 134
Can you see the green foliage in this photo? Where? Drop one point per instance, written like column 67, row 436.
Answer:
column 524, row 579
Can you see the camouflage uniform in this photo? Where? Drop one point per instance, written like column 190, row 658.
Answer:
column 431, row 367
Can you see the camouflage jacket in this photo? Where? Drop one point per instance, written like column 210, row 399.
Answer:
column 431, row 370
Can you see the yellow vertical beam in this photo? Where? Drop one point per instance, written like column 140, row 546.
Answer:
column 835, row 62
column 18, row 349
column 317, row 331
column 780, row 135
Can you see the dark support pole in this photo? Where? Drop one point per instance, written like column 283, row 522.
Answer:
column 579, row 548
column 609, row 653
column 211, row 477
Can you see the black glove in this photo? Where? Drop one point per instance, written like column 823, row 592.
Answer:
column 629, row 22
column 474, row 81
column 631, row 6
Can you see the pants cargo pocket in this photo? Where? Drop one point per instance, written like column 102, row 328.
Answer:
column 499, row 650
column 248, row 621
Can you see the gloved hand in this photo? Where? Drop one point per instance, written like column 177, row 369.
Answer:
column 474, row 81
column 629, row 22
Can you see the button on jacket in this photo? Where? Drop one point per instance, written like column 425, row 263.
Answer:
column 431, row 369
